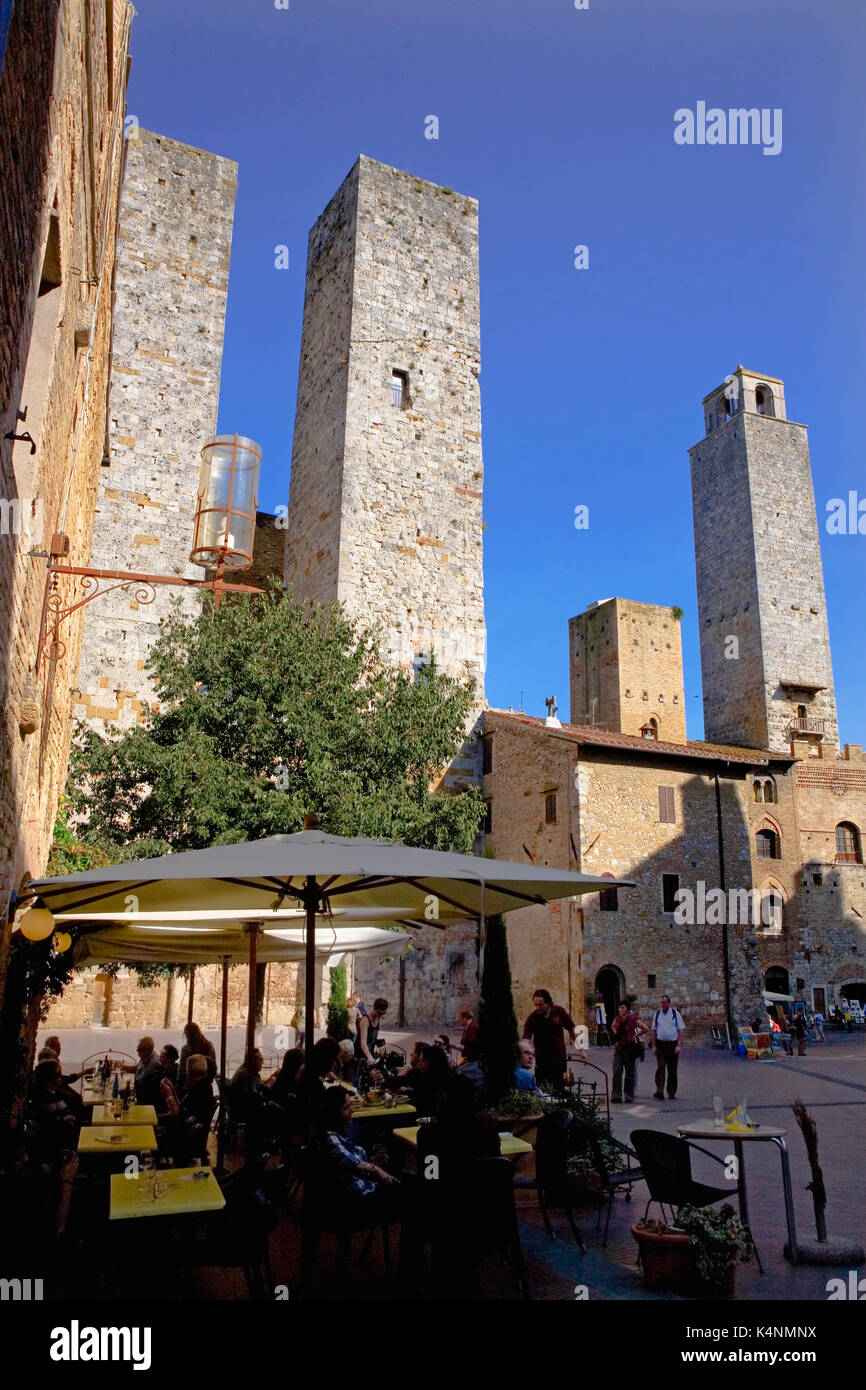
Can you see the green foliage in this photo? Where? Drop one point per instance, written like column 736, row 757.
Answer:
column 717, row 1237
column 677, row 614
column 497, row 1021
column 515, row 1104
column 269, row 711
column 338, row 1014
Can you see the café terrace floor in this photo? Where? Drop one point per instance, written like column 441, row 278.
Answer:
column 830, row 1080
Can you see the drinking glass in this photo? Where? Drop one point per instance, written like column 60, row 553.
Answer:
column 718, row 1112
column 744, row 1112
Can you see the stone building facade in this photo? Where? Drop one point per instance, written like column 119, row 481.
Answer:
column 174, row 244
column 62, row 94
column 387, row 473
column 626, row 669
column 765, row 642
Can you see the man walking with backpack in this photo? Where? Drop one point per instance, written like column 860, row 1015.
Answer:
column 666, row 1040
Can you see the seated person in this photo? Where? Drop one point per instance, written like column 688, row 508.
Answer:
column 350, row 1180
column 470, row 1068
column 524, row 1072
column 52, row 1123
column 148, row 1074
column 346, row 1066
column 284, row 1083
column 459, row 1133
column 168, row 1060
column 442, row 1040
column 188, row 1120
column 54, row 1043
column 431, row 1081
column 311, row 1080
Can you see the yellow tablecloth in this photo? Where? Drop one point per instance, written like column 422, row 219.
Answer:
column 509, row 1147
column 178, row 1190
column 380, row 1112
column 133, row 1139
column 135, row 1115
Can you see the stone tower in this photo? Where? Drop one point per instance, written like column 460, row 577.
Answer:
column 765, row 646
column 626, row 669
column 174, row 243
column 386, row 485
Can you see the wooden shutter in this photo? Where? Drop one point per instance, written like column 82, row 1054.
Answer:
column 667, row 813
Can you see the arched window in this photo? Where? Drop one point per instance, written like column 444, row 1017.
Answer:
column 767, row 842
column 769, row 791
column 776, row 980
column 848, row 847
column 764, row 403
column 607, row 898
column 758, row 789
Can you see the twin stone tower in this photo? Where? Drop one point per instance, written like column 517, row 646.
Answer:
column 385, row 500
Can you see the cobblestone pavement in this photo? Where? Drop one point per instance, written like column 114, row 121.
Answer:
column 830, row 1080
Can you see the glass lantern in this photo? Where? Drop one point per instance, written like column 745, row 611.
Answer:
column 225, row 519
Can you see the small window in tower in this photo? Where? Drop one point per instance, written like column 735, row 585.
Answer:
column 550, row 808
column 400, row 389
column 608, row 900
column 487, row 753
column 764, row 401
column 759, row 791
column 650, row 981
column 487, row 823
column 769, row 791
column 801, row 712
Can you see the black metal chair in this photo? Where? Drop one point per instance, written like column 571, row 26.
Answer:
column 323, row 1213
column 238, row 1237
column 666, row 1160
column 552, row 1181
column 587, row 1138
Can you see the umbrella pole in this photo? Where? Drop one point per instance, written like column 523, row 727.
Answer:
column 253, row 928
column 189, row 1012
column 311, row 901
column 224, row 1024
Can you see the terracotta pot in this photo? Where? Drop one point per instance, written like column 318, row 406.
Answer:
column 668, row 1265
column 666, row 1259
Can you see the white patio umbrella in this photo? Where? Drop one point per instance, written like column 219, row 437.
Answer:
column 328, row 878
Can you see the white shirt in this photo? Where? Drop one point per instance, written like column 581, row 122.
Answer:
column 668, row 1026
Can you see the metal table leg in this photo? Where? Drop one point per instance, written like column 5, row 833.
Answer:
column 743, row 1199
column 789, row 1201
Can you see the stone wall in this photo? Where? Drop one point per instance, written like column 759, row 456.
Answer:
column 61, row 145
column 758, row 560
column 174, row 244
column 385, row 501
column 608, row 822
column 626, row 668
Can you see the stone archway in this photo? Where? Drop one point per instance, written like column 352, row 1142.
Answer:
column 610, row 984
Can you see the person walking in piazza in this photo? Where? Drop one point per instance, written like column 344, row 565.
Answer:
column 546, row 1028
column 627, row 1050
column 666, row 1040
column 818, row 1020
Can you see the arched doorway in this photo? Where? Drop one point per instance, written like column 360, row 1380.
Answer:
column 610, row 984
column 855, row 990
column 776, row 980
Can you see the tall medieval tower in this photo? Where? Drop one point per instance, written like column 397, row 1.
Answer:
column 765, row 645
column 173, row 248
column 386, row 483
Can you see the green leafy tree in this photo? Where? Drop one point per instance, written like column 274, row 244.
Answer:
column 497, row 1021
column 268, row 711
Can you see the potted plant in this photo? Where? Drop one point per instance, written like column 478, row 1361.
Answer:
column 697, row 1255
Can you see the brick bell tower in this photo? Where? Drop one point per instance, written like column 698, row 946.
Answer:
column 386, row 484
column 765, row 644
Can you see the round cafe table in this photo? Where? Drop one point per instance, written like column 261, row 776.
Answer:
column 739, row 1137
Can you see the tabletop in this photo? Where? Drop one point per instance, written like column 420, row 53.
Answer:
column 705, row 1129
column 99, row 1139
column 177, row 1192
column 509, row 1146
column 135, row 1115
column 378, row 1112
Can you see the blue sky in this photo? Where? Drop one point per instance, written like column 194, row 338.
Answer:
column 561, row 123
